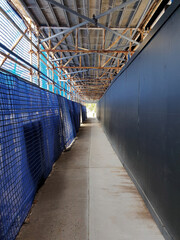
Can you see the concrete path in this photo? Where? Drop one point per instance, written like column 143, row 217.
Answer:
column 89, row 196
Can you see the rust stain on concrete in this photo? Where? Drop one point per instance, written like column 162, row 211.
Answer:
column 126, row 188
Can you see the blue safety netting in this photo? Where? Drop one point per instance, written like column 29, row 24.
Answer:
column 35, row 127
column 68, row 125
column 84, row 113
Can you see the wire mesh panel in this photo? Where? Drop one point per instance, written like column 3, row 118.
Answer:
column 84, row 113
column 68, row 128
column 35, row 127
column 71, row 111
column 76, row 111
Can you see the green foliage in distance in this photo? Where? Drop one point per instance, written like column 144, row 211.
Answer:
column 91, row 107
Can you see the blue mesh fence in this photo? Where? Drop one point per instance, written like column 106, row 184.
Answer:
column 76, row 115
column 84, row 113
column 68, row 125
column 35, row 127
column 71, row 111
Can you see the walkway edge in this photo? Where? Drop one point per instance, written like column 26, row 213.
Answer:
column 148, row 204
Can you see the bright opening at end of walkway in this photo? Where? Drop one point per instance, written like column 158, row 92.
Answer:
column 91, row 110
column 89, row 196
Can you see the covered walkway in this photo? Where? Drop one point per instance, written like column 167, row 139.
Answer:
column 89, row 196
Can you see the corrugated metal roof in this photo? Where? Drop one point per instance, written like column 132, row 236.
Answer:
column 93, row 82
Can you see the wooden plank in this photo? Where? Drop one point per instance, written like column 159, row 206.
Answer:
column 12, row 59
column 108, row 60
column 13, row 47
column 61, row 40
column 117, row 40
column 69, row 60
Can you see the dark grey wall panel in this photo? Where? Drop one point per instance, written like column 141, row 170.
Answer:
column 141, row 115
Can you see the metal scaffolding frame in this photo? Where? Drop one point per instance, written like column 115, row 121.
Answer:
column 64, row 44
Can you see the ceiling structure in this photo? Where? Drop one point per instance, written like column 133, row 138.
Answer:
column 92, row 40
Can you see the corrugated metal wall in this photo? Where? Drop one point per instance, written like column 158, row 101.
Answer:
column 141, row 116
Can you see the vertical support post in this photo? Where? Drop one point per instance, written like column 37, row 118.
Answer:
column 30, row 52
column 118, row 63
column 73, row 92
column 61, row 63
column 99, row 57
column 60, row 83
column 59, row 91
column 70, row 92
column 38, row 58
column 53, row 65
column 142, row 35
column 126, row 56
column 77, row 38
column 48, row 70
column 61, row 73
column 104, row 35
column 64, row 84
column 48, row 62
column 68, row 87
column 53, row 79
column 80, row 61
column 130, row 43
